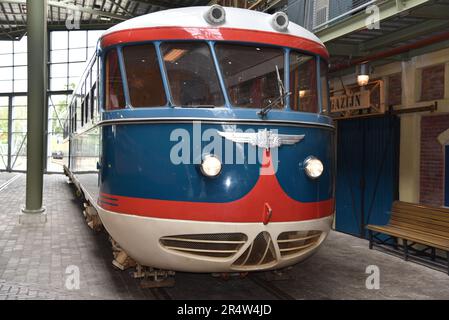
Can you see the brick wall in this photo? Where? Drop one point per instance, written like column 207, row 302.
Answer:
column 394, row 89
column 432, row 160
column 432, row 83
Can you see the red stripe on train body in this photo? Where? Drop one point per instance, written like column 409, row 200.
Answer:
column 250, row 208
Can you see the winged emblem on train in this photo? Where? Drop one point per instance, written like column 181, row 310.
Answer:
column 262, row 138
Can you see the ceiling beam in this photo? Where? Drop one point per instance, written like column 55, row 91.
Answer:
column 73, row 7
column 339, row 49
column 163, row 4
column 407, row 33
column 358, row 21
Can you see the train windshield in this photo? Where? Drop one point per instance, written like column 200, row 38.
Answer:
column 251, row 74
column 143, row 76
column 191, row 74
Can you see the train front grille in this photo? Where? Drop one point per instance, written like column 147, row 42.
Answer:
column 295, row 242
column 260, row 253
column 218, row 245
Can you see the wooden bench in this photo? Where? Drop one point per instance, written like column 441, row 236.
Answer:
column 415, row 225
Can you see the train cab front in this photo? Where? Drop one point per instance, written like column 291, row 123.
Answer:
column 217, row 156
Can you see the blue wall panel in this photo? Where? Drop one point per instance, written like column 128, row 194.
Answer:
column 367, row 172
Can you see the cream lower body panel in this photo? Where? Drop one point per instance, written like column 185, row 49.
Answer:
column 139, row 237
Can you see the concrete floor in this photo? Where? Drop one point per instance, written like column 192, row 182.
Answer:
column 33, row 262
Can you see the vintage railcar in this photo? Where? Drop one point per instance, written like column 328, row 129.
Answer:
column 209, row 131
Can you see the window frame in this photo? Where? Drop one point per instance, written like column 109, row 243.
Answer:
column 252, row 44
column 156, row 46
column 120, row 62
column 101, row 85
column 211, row 46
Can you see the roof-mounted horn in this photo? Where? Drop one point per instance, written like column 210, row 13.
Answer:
column 215, row 15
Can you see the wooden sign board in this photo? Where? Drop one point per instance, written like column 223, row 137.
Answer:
column 356, row 101
column 352, row 101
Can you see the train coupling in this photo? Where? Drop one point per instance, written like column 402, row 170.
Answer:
column 154, row 278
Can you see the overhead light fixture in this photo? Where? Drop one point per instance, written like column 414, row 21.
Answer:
column 174, row 55
column 303, row 93
column 363, row 76
column 105, row 18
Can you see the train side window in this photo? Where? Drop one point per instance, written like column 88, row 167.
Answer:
column 82, row 112
column 114, row 95
column 303, row 83
column 192, row 75
column 324, row 86
column 144, row 78
column 93, row 98
column 87, row 107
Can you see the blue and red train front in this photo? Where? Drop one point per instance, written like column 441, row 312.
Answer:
column 216, row 153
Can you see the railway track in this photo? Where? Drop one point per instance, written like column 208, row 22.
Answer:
column 270, row 287
column 278, row 294
column 161, row 294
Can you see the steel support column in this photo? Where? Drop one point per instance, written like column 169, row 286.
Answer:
column 37, row 101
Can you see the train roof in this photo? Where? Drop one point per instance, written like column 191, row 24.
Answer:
column 188, row 23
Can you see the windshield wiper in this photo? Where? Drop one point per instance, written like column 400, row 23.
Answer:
column 282, row 95
column 262, row 113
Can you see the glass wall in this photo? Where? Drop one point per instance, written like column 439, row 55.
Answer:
column 4, row 103
column 18, row 133
column 13, row 66
column 68, row 53
column 57, row 150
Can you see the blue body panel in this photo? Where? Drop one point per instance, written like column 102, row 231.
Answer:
column 141, row 153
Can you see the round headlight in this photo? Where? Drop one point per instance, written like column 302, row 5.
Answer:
column 313, row 167
column 211, row 166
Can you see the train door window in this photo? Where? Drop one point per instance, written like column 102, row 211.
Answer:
column 82, row 113
column 251, row 74
column 324, row 86
column 87, row 107
column 144, row 77
column 93, row 98
column 303, row 83
column 76, row 122
column 78, row 109
column 192, row 75
column 114, row 96
column 94, row 93
column 100, row 88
